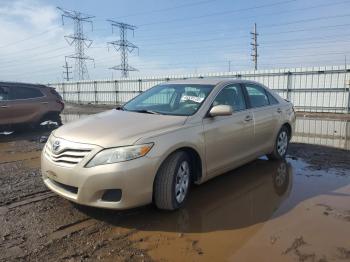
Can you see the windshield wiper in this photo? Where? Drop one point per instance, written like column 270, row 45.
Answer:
column 120, row 108
column 147, row 111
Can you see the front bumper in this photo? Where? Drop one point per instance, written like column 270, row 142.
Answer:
column 134, row 178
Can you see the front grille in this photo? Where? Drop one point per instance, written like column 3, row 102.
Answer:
column 69, row 153
column 68, row 188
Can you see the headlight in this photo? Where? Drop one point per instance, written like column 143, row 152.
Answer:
column 119, row 154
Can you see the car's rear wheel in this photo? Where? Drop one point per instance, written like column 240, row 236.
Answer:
column 173, row 181
column 281, row 144
column 50, row 121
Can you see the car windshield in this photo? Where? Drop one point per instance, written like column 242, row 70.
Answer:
column 172, row 99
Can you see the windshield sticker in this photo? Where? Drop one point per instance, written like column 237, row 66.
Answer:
column 192, row 98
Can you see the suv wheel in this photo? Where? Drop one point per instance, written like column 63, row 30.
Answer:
column 172, row 182
column 281, row 145
column 50, row 121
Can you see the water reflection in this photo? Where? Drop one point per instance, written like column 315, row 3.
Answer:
column 240, row 198
column 335, row 133
column 327, row 132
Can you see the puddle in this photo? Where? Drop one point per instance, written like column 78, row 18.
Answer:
column 264, row 204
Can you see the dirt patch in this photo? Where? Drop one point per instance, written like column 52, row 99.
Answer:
column 321, row 157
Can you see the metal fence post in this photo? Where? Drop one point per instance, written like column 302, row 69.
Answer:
column 116, row 92
column 140, row 86
column 289, row 86
column 78, row 91
column 349, row 97
column 64, row 92
column 95, row 90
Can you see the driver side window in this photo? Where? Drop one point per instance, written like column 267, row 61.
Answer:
column 233, row 96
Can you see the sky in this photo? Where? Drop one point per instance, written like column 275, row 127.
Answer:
column 173, row 37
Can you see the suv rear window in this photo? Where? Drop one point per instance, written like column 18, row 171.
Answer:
column 20, row 92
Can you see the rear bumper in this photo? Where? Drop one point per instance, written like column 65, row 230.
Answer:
column 134, row 178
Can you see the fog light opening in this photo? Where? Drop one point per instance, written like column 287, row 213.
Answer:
column 112, row 195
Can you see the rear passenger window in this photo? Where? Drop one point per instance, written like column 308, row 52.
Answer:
column 257, row 96
column 19, row 92
column 232, row 96
column 272, row 100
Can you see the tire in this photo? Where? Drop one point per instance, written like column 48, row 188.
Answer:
column 53, row 117
column 281, row 178
column 172, row 182
column 281, row 145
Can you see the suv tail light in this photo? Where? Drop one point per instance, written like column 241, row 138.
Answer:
column 60, row 102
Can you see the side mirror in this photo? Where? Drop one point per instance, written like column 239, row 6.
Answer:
column 220, row 110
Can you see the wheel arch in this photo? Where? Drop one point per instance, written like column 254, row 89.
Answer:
column 289, row 128
column 196, row 160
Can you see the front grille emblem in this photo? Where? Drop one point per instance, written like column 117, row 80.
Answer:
column 56, row 145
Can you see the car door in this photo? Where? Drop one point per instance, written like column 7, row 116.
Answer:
column 4, row 107
column 228, row 138
column 266, row 117
column 25, row 104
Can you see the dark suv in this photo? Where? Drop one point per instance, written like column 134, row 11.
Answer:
column 28, row 105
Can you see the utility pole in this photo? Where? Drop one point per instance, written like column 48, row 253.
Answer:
column 229, row 66
column 67, row 72
column 79, row 40
column 255, row 45
column 124, row 46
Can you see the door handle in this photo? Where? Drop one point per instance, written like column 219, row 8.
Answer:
column 4, row 106
column 248, row 118
column 45, row 103
column 279, row 110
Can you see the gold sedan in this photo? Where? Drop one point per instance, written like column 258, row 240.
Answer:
column 155, row 146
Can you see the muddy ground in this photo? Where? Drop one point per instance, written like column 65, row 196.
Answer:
column 294, row 210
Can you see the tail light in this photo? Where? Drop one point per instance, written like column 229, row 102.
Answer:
column 60, row 102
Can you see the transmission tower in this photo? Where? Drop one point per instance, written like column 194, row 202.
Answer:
column 255, row 45
column 79, row 40
column 67, row 72
column 124, row 46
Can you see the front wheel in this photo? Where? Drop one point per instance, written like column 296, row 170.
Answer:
column 172, row 182
column 281, row 145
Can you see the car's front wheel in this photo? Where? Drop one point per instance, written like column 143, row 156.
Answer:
column 281, row 144
column 173, row 181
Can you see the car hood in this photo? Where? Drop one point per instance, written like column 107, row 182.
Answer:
column 117, row 128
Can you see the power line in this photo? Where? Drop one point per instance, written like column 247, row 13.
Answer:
column 124, row 46
column 29, row 38
column 254, row 45
column 168, row 8
column 79, row 40
column 221, row 13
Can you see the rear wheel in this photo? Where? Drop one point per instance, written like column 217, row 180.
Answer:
column 50, row 121
column 281, row 145
column 172, row 182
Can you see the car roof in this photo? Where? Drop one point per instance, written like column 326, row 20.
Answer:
column 14, row 84
column 208, row 81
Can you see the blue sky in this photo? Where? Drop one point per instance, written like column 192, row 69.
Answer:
column 174, row 37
